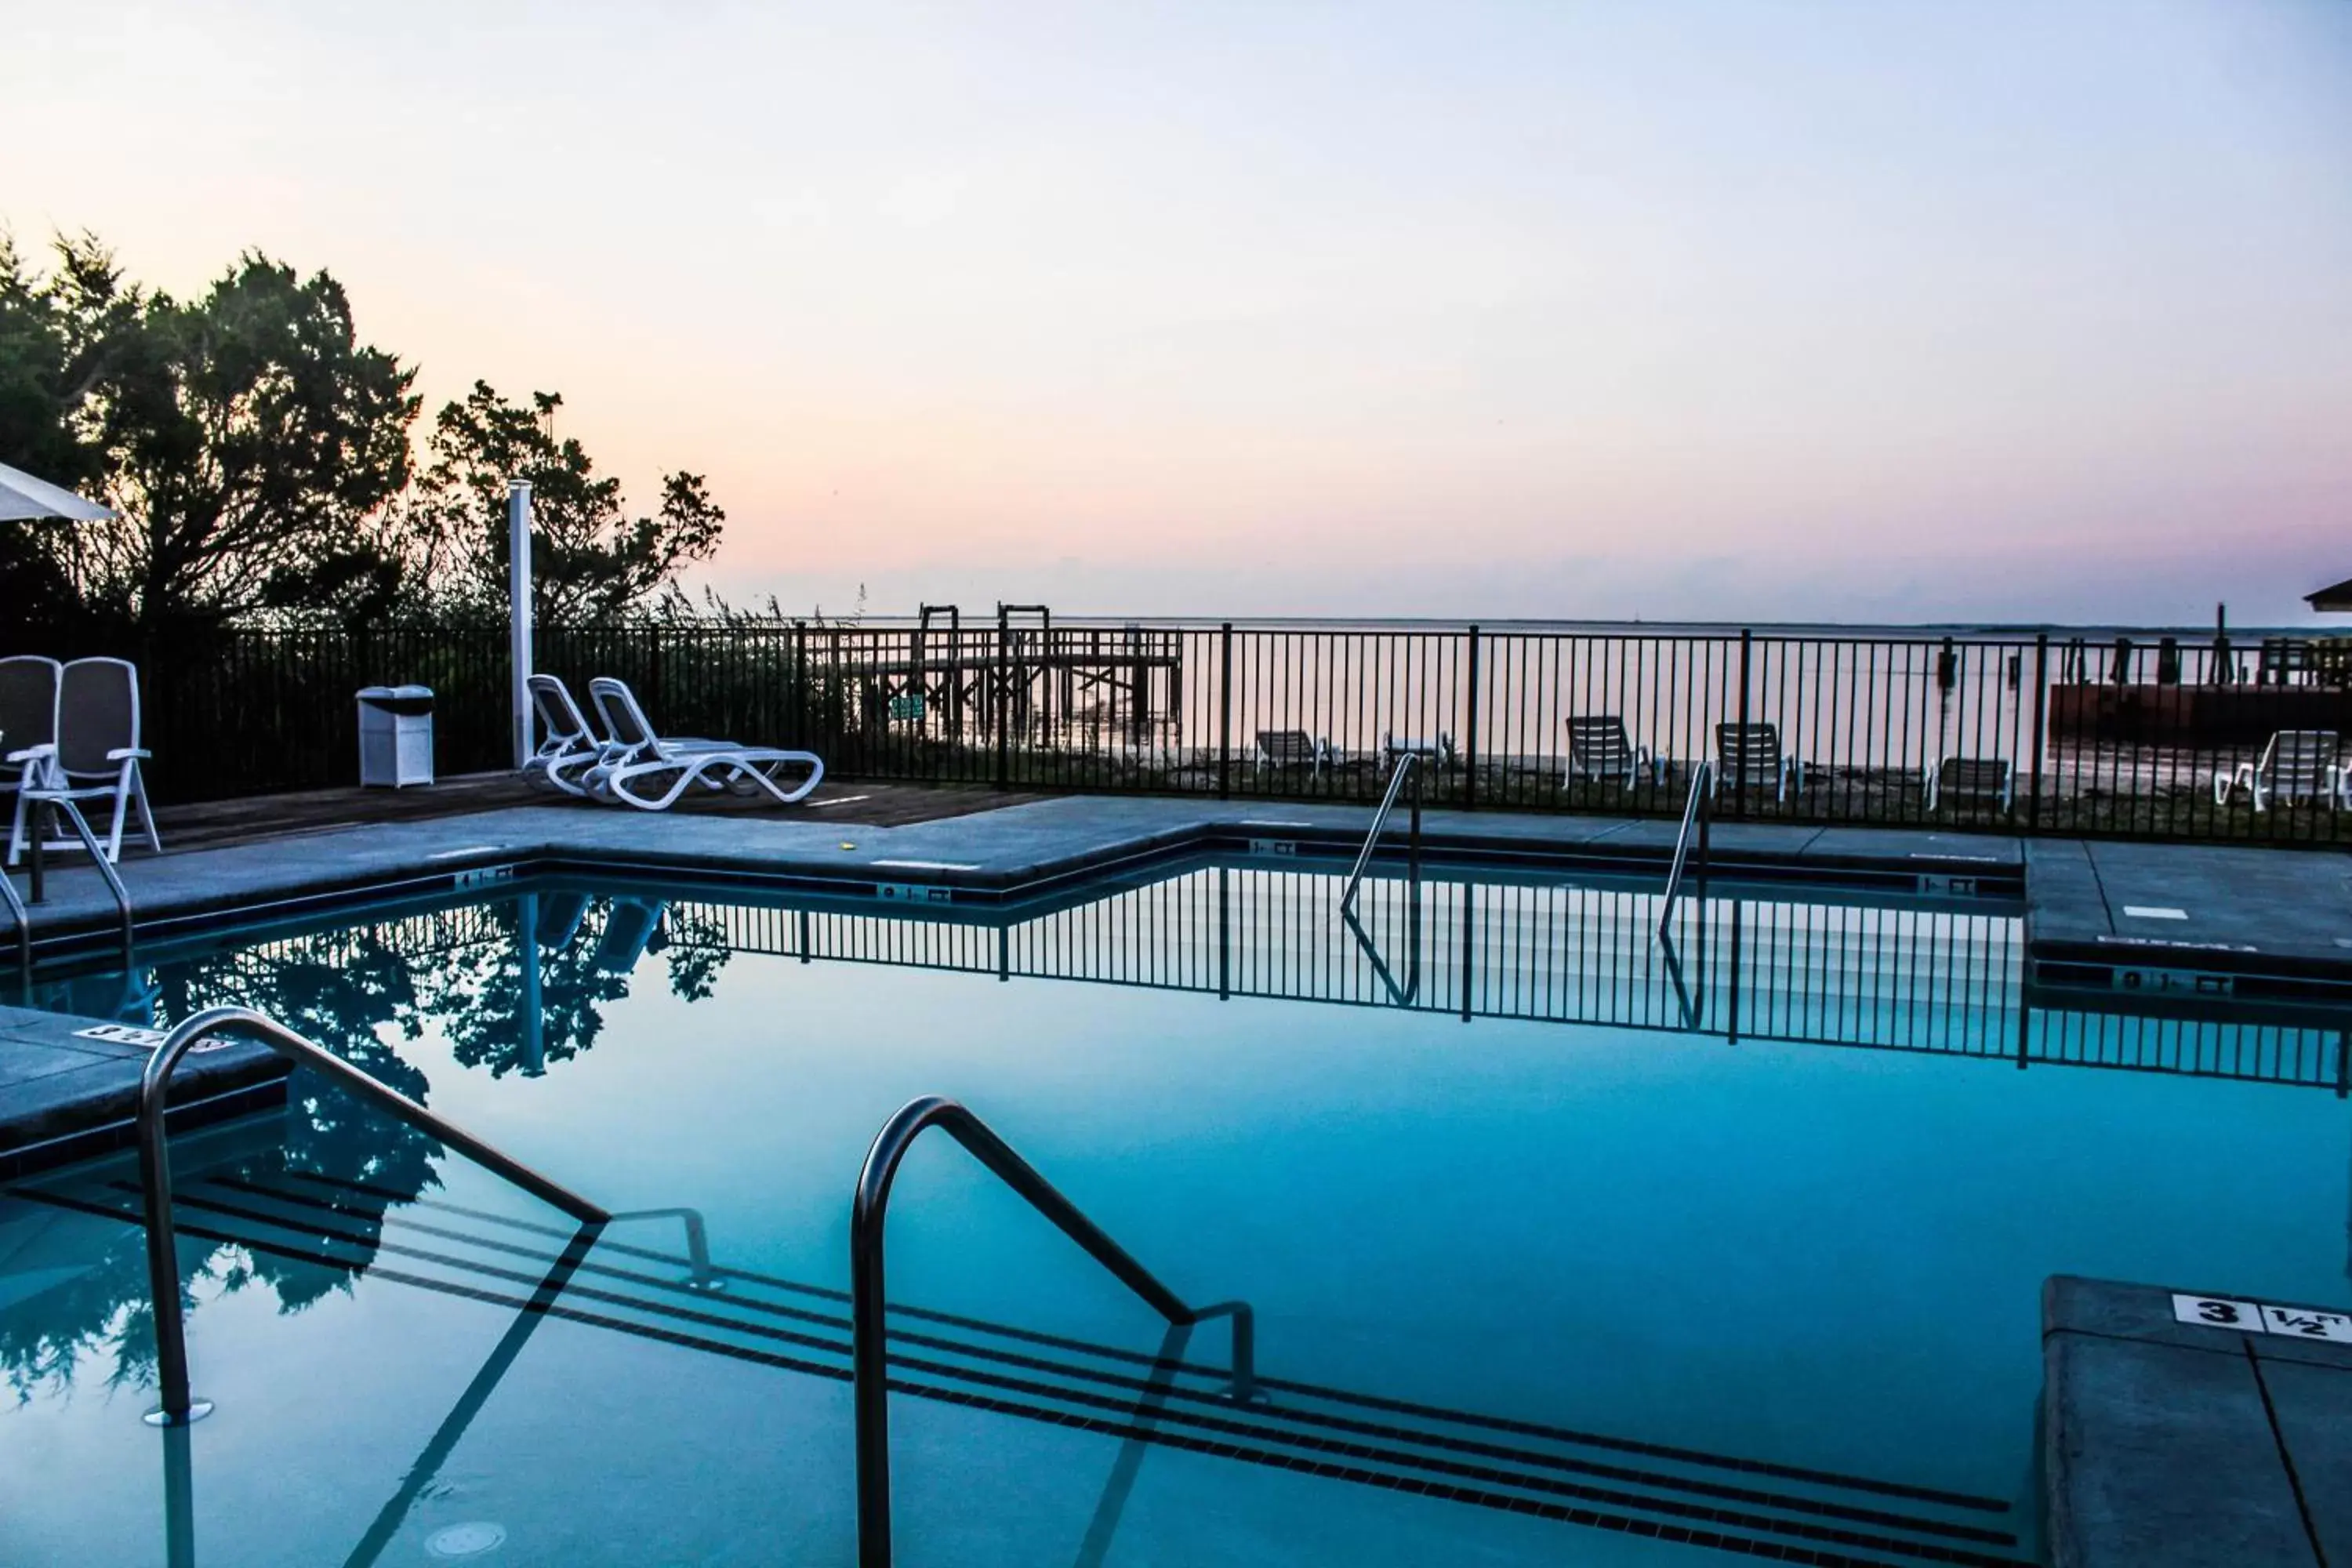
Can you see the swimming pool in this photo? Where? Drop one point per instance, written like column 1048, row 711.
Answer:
column 1562, row 1245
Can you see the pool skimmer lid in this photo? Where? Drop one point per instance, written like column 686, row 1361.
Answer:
column 469, row 1539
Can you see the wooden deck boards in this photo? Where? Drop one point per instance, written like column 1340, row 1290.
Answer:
column 212, row 824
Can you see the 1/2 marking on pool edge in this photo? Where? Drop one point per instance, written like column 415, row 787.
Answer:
column 2240, row 1317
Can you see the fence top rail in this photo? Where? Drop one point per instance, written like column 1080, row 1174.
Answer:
column 980, row 632
column 1830, row 631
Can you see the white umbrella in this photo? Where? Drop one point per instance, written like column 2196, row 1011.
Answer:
column 24, row 498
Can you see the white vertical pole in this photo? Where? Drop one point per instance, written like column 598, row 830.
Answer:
column 519, row 591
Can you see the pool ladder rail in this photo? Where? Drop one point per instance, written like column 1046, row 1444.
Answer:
column 869, row 1350
column 1407, row 763
column 178, row 1406
column 56, row 800
column 1697, row 812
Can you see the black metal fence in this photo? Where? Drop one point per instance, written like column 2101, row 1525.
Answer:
column 2162, row 734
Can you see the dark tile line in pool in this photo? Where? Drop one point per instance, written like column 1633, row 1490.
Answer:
column 1760, row 1538
column 315, row 1206
column 1544, row 1431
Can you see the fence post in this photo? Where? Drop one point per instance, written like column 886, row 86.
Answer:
column 2040, row 695
column 1470, row 732
column 1003, row 704
column 1226, row 711
column 1739, row 770
column 800, row 684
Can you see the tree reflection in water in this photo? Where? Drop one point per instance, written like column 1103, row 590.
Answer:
column 73, row 1284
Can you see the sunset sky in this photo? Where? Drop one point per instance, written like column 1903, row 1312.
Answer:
column 1868, row 311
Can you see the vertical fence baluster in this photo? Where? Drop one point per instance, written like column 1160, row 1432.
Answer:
column 1470, row 729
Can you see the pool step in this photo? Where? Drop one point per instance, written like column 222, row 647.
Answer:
column 1180, row 1399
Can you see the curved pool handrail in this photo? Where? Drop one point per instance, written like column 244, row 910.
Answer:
column 868, row 1353
column 155, row 1173
column 1696, row 812
column 1407, row 763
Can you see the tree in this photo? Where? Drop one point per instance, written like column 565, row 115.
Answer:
column 59, row 335
column 252, row 443
column 590, row 560
column 261, row 459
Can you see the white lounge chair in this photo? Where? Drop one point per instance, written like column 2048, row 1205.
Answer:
column 1970, row 778
column 630, row 927
column 2296, row 765
column 559, row 918
column 638, row 756
column 1748, row 756
column 567, row 745
column 97, row 753
column 1280, row 749
column 1599, row 750
column 28, row 728
column 1439, row 752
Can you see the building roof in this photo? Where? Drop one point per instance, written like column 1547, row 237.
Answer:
column 2339, row 598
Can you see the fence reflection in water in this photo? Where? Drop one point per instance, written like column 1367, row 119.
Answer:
column 1944, row 978
column 1915, row 977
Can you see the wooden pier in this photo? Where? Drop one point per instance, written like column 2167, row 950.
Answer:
column 1124, row 685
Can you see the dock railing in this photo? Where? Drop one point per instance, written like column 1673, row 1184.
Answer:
column 2145, row 732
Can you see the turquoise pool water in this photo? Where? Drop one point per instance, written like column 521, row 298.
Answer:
column 1563, row 1248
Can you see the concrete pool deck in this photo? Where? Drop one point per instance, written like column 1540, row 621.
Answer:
column 69, row 1087
column 2172, row 1444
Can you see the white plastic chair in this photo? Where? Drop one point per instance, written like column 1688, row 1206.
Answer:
column 2296, row 765
column 1280, row 749
column 1970, row 778
column 567, row 745
column 97, row 753
column 1599, row 750
column 1748, row 756
column 638, row 753
column 1439, row 752
column 28, row 728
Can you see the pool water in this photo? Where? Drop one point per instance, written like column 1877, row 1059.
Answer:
column 1563, row 1246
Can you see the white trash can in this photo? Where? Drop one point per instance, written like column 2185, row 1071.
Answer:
column 395, row 735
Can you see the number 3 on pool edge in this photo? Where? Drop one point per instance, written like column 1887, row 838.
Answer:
column 2218, row 1312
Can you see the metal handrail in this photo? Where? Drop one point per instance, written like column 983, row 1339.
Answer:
column 705, row 1279
column 155, row 1174
column 1407, row 762
column 57, row 799
column 869, row 1349
column 1695, row 815
column 1403, row 995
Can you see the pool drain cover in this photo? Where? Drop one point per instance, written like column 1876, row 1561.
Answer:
column 469, row 1540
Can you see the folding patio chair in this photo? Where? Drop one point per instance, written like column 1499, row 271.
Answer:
column 28, row 728
column 97, row 754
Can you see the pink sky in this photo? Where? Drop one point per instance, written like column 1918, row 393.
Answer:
column 1995, row 311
